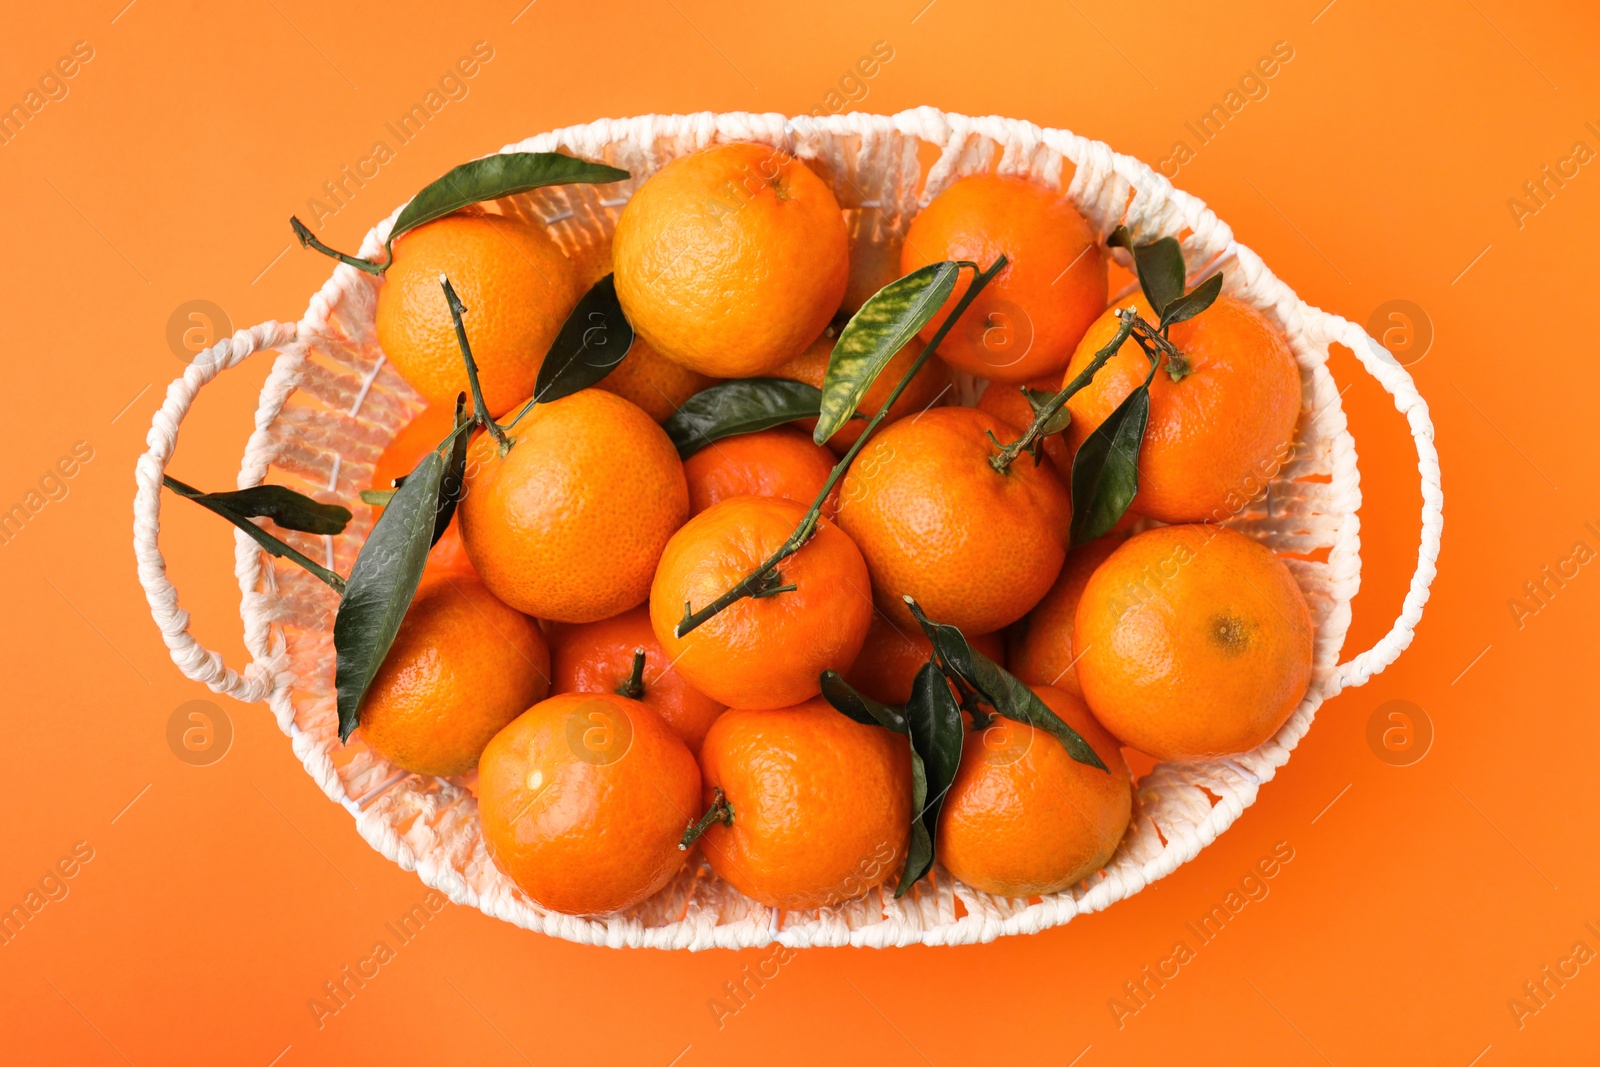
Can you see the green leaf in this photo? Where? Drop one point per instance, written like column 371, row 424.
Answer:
column 1105, row 472
column 453, row 482
column 885, row 324
column 285, row 507
column 1158, row 264
column 860, row 707
column 222, row 504
column 936, row 737
column 1038, row 400
column 381, row 585
column 919, row 854
column 741, row 406
column 593, row 340
column 1001, row 689
column 1193, row 302
column 495, row 176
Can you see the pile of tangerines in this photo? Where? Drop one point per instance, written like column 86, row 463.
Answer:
column 764, row 596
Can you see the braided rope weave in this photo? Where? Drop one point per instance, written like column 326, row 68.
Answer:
column 332, row 403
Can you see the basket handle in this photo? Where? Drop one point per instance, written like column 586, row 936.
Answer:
column 193, row 659
column 1397, row 382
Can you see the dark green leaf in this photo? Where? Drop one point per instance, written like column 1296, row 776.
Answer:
column 1105, row 472
column 285, row 507
column 1193, row 302
column 1158, row 264
column 381, row 585
column 919, row 856
column 741, row 406
column 936, row 736
column 885, row 324
column 860, row 707
column 1037, row 400
column 1001, row 689
column 593, row 340
column 496, row 176
column 213, row 502
column 454, row 480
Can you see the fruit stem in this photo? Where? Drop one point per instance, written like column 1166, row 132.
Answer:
column 719, row 811
column 1150, row 339
column 261, row 537
column 633, row 688
column 759, row 581
column 480, row 410
column 1002, row 460
column 307, row 240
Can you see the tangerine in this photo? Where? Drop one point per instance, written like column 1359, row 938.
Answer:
column 569, row 523
column 780, row 462
column 405, row 450
column 1023, row 818
column 731, row 259
column 893, row 653
column 976, row 547
column 1193, row 642
column 518, row 289
column 1029, row 319
column 923, row 391
column 462, row 665
column 1007, row 403
column 599, row 657
column 765, row 651
column 583, row 798
column 1216, row 437
column 821, row 804
column 1039, row 647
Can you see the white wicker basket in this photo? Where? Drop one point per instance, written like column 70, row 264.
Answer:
column 332, row 403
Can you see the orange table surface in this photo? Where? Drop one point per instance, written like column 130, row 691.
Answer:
column 1441, row 910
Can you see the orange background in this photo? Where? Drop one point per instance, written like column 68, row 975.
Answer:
column 1378, row 167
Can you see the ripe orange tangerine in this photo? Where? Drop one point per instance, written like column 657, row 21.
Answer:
column 416, row 439
column 731, row 259
column 1027, row 322
column 461, row 666
column 780, row 462
column 1040, row 645
column 821, row 804
column 1193, row 642
column 936, row 521
column 1023, row 818
column 569, row 523
column 768, row 651
column 893, row 654
column 516, row 284
column 927, row 388
column 1216, row 437
column 583, row 798
column 598, row 657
